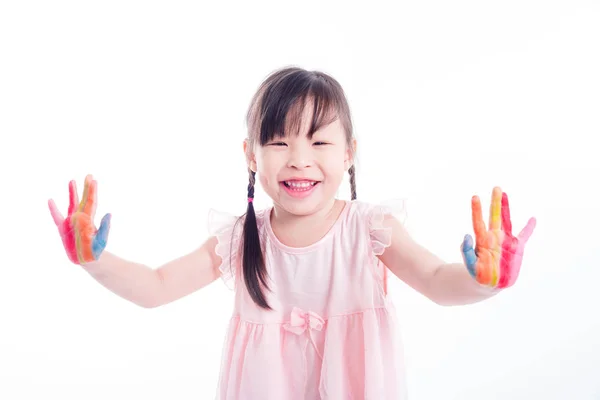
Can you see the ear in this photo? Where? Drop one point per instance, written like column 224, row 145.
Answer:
column 250, row 156
column 349, row 160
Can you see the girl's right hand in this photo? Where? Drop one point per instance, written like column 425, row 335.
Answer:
column 81, row 240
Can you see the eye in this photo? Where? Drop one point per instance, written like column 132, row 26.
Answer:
column 277, row 144
column 321, row 143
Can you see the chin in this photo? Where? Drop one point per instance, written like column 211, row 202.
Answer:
column 299, row 209
column 304, row 203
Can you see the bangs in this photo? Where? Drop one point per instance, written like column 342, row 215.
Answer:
column 283, row 105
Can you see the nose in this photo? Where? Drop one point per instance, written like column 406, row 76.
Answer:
column 300, row 157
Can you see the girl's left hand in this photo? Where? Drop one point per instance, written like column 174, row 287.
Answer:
column 496, row 259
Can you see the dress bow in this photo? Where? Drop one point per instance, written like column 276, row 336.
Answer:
column 300, row 320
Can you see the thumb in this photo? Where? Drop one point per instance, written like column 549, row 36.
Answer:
column 56, row 215
column 101, row 236
column 468, row 253
column 525, row 234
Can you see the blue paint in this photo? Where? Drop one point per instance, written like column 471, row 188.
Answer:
column 469, row 256
column 101, row 237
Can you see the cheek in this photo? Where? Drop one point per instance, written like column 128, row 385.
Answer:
column 268, row 168
column 264, row 181
column 334, row 165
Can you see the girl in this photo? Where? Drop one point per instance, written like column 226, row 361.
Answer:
column 312, row 318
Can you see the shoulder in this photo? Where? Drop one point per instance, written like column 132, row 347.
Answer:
column 377, row 221
column 220, row 222
column 228, row 229
column 375, row 214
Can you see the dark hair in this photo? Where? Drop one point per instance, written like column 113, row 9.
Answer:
column 276, row 109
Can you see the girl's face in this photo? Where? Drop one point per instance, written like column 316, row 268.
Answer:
column 302, row 175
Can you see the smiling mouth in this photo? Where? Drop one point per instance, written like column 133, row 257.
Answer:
column 299, row 185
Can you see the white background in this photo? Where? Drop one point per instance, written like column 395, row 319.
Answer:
column 448, row 99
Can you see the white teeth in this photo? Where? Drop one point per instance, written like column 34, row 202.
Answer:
column 300, row 185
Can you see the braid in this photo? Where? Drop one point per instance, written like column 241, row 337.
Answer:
column 253, row 262
column 251, row 181
column 351, row 172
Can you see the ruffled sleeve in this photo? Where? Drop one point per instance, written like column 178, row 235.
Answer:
column 226, row 228
column 381, row 236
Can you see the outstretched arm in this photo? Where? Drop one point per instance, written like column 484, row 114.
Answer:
column 442, row 282
column 138, row 283
column 149, row 287
column 494, row 263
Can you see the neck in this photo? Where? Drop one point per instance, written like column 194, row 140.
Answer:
column 282, row 216
column 303, row 230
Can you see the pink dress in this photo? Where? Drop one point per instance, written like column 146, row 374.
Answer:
column 332, row 333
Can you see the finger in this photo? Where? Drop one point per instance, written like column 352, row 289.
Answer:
column 496, row 236
column 484, row 268
column 85, row 195
column 506, row 223
column 478, row 224
column 73, row 197
column 469, row 256
column 83, row 231
column 101, row 236
column 509, row 248
column 56, row 215
column 495, row 208
column 89, row 207
column 494, row 268
column 525, row 234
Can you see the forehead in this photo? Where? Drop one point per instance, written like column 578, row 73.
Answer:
column 310, row 120
column 304, row 116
